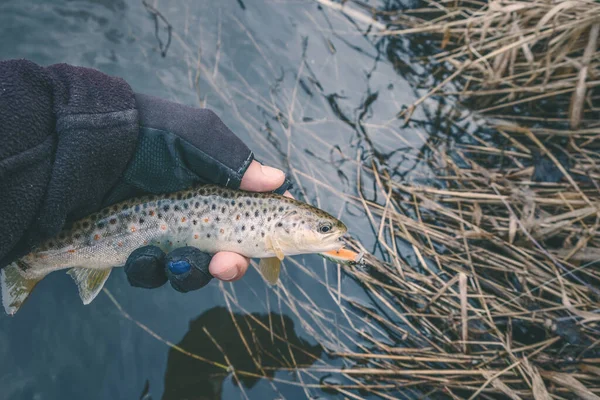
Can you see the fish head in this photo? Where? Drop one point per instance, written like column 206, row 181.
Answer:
column 307, row 229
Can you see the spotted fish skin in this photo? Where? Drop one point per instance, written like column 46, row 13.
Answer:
column 211, row 218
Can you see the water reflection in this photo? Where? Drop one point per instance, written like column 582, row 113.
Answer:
column 215, row 335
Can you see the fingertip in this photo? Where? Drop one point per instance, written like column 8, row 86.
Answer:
column 228, row 267
column 261, row 178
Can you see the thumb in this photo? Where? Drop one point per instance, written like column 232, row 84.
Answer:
column 261, row 178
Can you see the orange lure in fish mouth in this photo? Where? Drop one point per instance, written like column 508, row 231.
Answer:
column 343, row 256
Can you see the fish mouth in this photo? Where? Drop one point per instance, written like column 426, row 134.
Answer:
column 334, row 241
column 335, row 236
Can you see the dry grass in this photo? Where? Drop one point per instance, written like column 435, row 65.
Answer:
column 533, row 56
column 504, row 292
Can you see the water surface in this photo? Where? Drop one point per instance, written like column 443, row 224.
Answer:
column 310, row 94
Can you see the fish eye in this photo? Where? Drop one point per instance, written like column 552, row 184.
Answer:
column 325, row 227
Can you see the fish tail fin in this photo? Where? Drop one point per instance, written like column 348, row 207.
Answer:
column 15, row 287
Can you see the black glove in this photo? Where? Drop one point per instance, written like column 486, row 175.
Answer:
column 178, row 147
column 186, row 268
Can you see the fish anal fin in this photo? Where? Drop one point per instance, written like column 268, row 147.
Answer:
column 15, row 288
column 269, row 268
column 89, row 282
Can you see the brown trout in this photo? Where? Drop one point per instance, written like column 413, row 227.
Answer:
column 211, row 218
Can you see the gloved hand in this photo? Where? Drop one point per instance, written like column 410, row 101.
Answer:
column 187, row 268
column 178, row 147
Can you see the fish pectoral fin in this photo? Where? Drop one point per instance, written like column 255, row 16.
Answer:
column 275, row 247
column 15, row 288
column 89, row 282
column 269, row 268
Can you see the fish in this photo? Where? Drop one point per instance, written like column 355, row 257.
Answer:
column 212, row 218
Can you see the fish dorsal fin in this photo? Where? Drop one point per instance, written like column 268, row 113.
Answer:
column 15, row 288
column 269, row 268
column 89, row 282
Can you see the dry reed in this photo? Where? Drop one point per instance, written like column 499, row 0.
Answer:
column 534, row 56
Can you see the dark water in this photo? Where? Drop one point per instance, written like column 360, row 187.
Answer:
column 310, row 94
